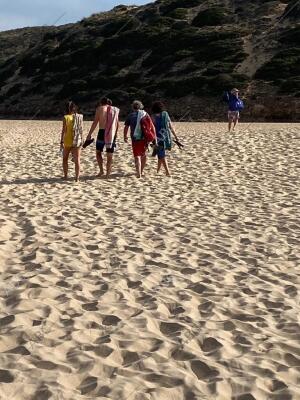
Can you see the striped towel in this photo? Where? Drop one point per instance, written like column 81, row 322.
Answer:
column 78, row 130
column 138, row 133
column 111, row 126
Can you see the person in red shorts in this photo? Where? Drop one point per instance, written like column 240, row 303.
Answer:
column 139, row 144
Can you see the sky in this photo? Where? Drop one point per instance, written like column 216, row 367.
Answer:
column 23, row 13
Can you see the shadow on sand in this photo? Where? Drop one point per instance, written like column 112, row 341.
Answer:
column 59, row 180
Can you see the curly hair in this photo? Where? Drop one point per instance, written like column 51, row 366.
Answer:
column 158, row 107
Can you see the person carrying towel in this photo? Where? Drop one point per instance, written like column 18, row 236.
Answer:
column 72, row 138
column 139, row 144
column 164, row 130
column 107, row 117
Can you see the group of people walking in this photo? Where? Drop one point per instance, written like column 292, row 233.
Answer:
column 156, row 131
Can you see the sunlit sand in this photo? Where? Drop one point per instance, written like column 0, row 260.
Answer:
column 179, row 288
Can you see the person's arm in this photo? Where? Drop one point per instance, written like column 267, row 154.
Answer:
column 95, row 123
column 117, row 129
column 226, row 96
column 126, row 128
column 63, row 132
column 172, row 128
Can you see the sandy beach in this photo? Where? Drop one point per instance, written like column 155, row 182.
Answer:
column 182, row 288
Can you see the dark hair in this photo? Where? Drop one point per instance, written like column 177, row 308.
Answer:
column 109, row 102
column 158, row 107
column 104, row 101
column 71, row 107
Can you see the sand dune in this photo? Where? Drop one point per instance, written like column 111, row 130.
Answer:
column 181, row 288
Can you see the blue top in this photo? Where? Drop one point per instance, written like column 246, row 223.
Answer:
column 131, row 121
column 234, row 103
column 162, row 126
column 158, row 127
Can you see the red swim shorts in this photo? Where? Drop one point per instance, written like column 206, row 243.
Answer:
column 139, row 148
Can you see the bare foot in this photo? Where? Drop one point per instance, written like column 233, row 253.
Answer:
column 101, row 173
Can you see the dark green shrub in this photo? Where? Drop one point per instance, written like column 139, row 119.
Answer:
column 189, row 68
column 6, row 73
column 291, row 36
column 16, row 89
column 180, row 25
column 179, row 13
column 58, row 64
column 73, row 87
column 133, row 40
column 283, row 65
column 291, row 85
column 217, row 68
column 118, row 96
column 226, row 50
column 211, row 17
column 292, row 10
column 221, row 82
column 119, row 25
column 184, row 87
column 167, row 7
column 163, row 66
column 31, row 62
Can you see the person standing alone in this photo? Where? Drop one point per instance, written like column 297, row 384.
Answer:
column 235, row 105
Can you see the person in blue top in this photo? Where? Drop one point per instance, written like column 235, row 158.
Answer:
column 164, row 130
column 235, row 105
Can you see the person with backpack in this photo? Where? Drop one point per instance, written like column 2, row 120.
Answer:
column 235, row 105
column 107, row 117
column 142, row 133
column 164, row 130
column 72, row 138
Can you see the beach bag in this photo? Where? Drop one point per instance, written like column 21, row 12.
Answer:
column 78, row 130
column 240, row 105
column 148, row 129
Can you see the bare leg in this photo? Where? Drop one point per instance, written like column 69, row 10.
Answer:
column 235, row 122
column 166, row 166
column 229, row 125
column 100, row 162
column 143, row 163
column 76, row 156
column 159, row 164
column 65, row 161
column 138, row 166
column 109, row 164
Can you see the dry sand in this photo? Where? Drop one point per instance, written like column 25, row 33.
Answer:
column 163, row 289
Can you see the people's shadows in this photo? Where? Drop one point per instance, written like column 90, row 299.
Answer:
column 59, row 180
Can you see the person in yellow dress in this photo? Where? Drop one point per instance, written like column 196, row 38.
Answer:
column 71, row 138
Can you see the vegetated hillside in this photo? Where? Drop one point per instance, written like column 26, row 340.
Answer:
column 183, row 51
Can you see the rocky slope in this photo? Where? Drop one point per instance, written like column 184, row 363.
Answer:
column 183, row 51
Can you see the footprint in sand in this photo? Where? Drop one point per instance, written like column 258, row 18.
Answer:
column 6, row 376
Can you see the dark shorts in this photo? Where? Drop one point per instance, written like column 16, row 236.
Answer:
column 100, row 142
